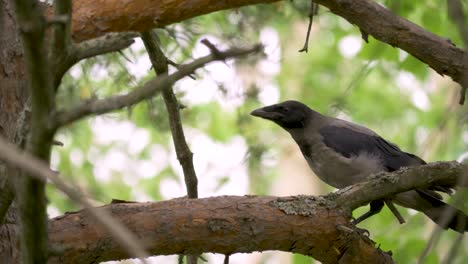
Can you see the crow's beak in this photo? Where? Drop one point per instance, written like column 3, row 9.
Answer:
column 261, row 112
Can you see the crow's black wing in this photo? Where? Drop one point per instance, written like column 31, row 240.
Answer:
column 349, row 142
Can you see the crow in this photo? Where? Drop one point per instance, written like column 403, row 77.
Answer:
column 342, row 153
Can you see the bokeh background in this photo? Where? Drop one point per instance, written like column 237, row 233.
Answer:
column 129, row 154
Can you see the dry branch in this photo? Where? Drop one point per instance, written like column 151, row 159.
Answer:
column 183, row 152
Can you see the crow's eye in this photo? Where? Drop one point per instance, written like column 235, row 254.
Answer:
column 283, row 109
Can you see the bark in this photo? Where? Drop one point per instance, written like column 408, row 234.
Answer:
column 13, row 120
column 226, row 224
column 90, row 22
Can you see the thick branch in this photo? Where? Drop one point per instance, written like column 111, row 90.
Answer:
column 90, row 22
column 226, row 224
column 148, row 90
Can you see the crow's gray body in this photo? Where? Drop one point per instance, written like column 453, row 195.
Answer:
column 342, row 153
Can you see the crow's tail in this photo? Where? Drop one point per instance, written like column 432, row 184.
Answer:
column 445, row 215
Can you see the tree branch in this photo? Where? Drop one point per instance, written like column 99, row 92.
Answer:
column 313, row 226
column 226, row 225
column 108, row 43
column 76, row 52
column 374, row 19
column 184, row 155
column 148, row 90
column 385, row 184
column 90, row 22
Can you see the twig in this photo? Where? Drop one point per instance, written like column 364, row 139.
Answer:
column 176, row 65
column 455, row 10
column 184, row 155
column 40, row 171
column 456, row 245
column 447, row 215
column 108, row 43
column 434, row 239
column 213, row 49
column 312, row 12
column 148, row 90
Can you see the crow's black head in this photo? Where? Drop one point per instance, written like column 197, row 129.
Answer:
column 288, row 114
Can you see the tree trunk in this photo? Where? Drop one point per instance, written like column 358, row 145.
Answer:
column 13, row 118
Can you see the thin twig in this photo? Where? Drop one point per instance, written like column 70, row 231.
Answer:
column 110, row 42
column 447, row 215
column 176, row 65
column 148, row 90
column 184, row 155
column 456, row 245
column 455, row 10
column 434, row 239
column 40, row 171
column 312, row 12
